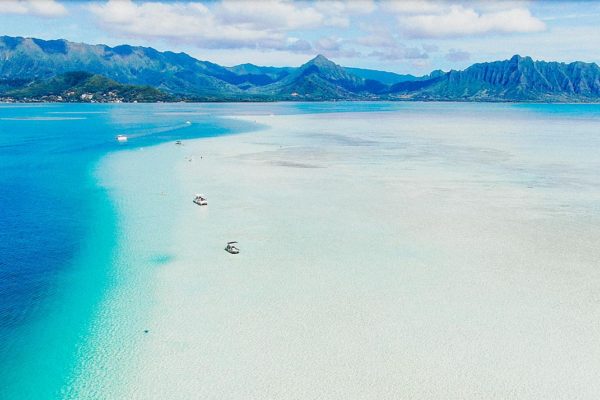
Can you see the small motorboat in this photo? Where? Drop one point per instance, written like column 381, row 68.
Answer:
column 178, row 142
column 231, row 248
column 121, row 138
column 200, row 200
column 188, row 122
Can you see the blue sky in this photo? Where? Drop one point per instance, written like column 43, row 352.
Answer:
column 401, row 36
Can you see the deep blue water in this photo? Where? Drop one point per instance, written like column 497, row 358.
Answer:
column 51, row 210
column 46, row 192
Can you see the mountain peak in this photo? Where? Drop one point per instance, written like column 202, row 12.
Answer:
column 321, row 60
column 517, row 59
column 320, row 57
column 323, row 64
column 324, row 67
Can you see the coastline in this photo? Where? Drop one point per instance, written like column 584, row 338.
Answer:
column 372, row 266
column 307, row 100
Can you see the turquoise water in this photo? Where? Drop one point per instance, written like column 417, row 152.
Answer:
column 58, row 227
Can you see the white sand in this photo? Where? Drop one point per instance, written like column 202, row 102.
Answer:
column 382, row 256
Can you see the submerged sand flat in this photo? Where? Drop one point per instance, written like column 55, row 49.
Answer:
column 383, row 255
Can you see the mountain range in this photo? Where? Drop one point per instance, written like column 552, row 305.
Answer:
column 35, row 70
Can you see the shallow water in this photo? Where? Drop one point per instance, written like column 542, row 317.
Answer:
column 420, row 252
column 388, row 250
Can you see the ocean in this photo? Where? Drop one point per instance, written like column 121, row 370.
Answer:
column 96, row 248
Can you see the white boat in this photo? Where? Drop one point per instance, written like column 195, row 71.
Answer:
column 188, row 122
column 200, row 200
column 121, row 138
column 231, row 248
column 178, row 142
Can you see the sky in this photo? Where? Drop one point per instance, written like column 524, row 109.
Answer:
column 401, row 36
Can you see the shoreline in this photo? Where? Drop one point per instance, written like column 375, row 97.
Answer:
column 449, row 101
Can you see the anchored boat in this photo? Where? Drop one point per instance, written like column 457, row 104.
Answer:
column 200, row 200
column 231, row 248
column 121, row 138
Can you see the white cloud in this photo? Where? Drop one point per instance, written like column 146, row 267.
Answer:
column 346, row 8
column 43, row 8
column 338, row 22
column 268, row 14
column 331, row 46
column 193, row 23
column 414, row 6
column 338, row 13
column 328, row 43
column 447, row 18
column 419, row 7
column 359, row 6
column 224, row 24
column 298, row 45
column 461, row 21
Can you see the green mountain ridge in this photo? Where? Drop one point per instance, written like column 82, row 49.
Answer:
column 517, row 79
column 318, row 79
column 35, row 68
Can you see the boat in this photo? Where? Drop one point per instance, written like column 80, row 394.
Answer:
column 188, row 122
column 200, row 200
column 230, row 248
column 121, row 138
column 178, row 142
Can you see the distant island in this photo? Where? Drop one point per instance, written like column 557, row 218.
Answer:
column 35, row 70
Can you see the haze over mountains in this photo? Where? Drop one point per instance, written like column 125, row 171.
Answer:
column 34, row 69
